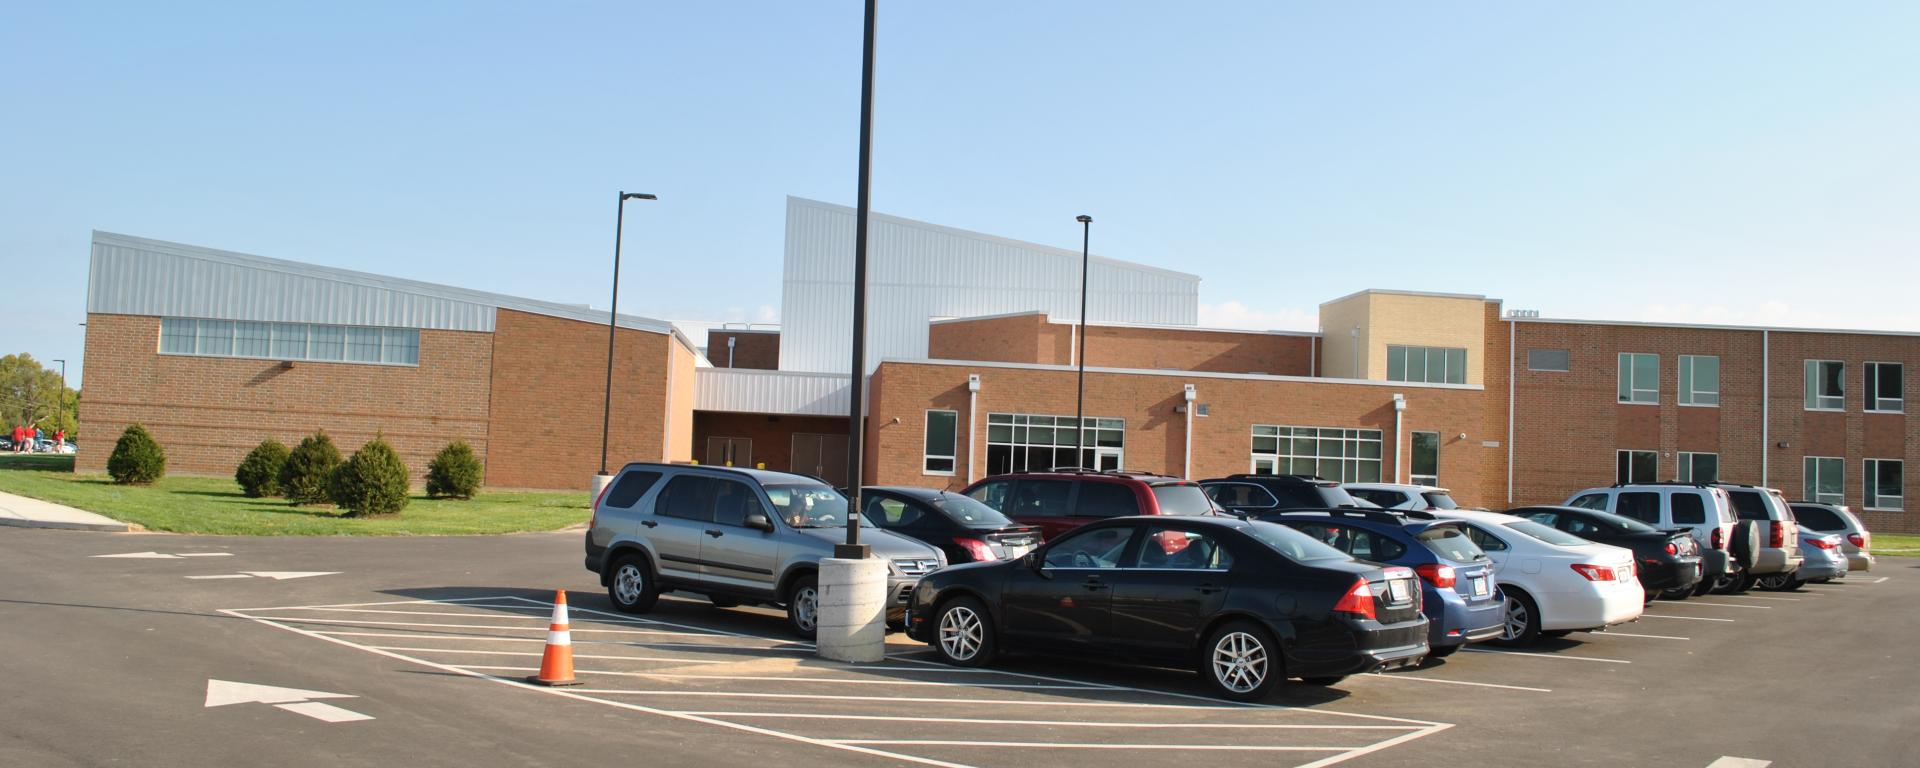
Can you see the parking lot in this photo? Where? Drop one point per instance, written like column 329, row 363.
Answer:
column 417, row 647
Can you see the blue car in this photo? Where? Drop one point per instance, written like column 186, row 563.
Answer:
column 1458, row 594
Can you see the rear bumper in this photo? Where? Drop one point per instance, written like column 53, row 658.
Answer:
column 1776, row 560
column 1364, row 661
column 1677, row 573
column 1859, row 561
column 1715, row 563
column 1602, row 605
column 1460, row 622
column 1821, row 569
column 596, row 555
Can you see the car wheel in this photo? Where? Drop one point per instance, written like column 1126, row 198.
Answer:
column 632, row 587
column 1677, row 594
column 1441, row 651
column 803, row 606
column 1744, row 584
column 963, row 633
column 1726, row 584
column 1241, row 662
column 1522, row 625
column 1775, row 582
column 1323, row 681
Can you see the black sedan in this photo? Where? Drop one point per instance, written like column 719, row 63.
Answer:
column 965, row 529
column 1668, row 562
column 1248, row 603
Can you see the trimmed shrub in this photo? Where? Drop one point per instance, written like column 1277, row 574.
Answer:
column 373, row 482
column 137, row 458
column 304, row 478
column 259, row 472
column 455, row 472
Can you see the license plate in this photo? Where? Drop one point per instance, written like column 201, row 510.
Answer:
column 1015, row 553
column 1479, row 586
column 1398, row 589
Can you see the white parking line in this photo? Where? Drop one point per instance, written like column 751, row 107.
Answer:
column 1539, row 655
column 1684, row 618
column 1057, row 745
column 1881, row 579
column 540, row 619
column 1739, row 762
column 1630, row 634
column 1718, row 605
column 1079, row 723
column 330, row 620
column 1767, row 597
column 1403, row 676
column 784, row 679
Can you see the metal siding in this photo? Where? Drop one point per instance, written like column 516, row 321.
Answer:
column 917, row 271
column 740, row 390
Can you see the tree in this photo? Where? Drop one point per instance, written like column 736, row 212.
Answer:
column 455, row 472
column 137, row 458
column 34, row 396
column 304, row 478
column 259, row 473
column 373, row 482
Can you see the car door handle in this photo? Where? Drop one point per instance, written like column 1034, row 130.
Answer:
column 714, row 533
column 650, row 523
column 1093, row 584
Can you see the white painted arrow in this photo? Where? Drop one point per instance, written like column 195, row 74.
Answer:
column 284, row 575
column 221, row 693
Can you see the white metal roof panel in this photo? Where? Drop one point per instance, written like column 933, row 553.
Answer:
column 746, row 390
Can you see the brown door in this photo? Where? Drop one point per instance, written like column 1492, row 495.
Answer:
column 729, row 452
column 823, row 456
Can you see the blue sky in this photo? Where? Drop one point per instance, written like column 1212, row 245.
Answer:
column 1741, row 162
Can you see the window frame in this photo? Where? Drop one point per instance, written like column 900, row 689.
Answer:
column 1404, row 354
column 1812, row 397
column 1870, row 383
column 1623, row 453
column 1352, row 442
column 1567, row 353
column 1019, row 442
column 1684, row 470
column 1413, row 458
column 952, row 456
column 1689, row 393
column 1870, row 496
column 1810, row 477
column 228, row 332
column 1625, row 379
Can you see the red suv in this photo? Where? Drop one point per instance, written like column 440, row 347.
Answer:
column 1058, row 502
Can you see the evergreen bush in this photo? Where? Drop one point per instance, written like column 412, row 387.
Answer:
column 137, row 458
column 373, row 482
column 259, row 473
column 455, row 472
column 304, row 477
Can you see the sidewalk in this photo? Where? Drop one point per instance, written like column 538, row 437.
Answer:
column 22, row 512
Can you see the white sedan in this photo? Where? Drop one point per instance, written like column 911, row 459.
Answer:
column 1555, row 583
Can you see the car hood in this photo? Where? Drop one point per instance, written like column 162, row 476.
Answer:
column 884, row 543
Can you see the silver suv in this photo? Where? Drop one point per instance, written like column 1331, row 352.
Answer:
column 735, row 535
column 1705, row 511
column 1779, row 549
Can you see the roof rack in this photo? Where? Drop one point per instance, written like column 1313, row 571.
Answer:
column 1252, row 476
column 1672, row 483
column 1394, row 517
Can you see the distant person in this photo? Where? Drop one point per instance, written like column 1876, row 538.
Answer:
column 19, row 438
column 59, row 437
column 36, row 438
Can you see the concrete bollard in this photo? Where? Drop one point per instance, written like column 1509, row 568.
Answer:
column 853, row 610
column 600, row 483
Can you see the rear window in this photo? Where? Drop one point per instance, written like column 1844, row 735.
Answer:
column 1451, row 543
column 1749, row 505
column 629, row 488
column 1623, row 524
column 1818, row 518
column 1099, row 499
column 1242, row 495
column 1377, row 496
column 1688, row 509
column 1552, row 536
column 1440, row 500
column 966, row 511
column 1291, row 544
column 1182, row 500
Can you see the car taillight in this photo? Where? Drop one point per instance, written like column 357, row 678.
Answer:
column 979, row 549
column 1672, row 549
column 1594, row 572
column 1719, row 538
column 1857, row 539
column 1441, row 576
column 1777, row 534
column 1358, row 601
column 1823, row 544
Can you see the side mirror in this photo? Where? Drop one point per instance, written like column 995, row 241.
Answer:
column 759, row 520
column 1035, row 560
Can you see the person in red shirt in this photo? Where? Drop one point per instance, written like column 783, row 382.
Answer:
column 19, row 441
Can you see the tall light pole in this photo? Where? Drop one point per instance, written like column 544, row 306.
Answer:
column 857, row 407
column 613, row 322
column 60, row 416
column 1080, row 388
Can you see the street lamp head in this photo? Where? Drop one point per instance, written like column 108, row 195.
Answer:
column 1084, row 219
column 637, row 196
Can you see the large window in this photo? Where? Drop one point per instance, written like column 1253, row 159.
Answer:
column 1547, row 360
column 1699, row 380
column 1426, row 458
column 1018, row 442
column 942, row 431
column 1885, row 484
column 1427, row 365
column 1825, row 482
column 1885, row 392
column 1346, row 455
column 1826, row 385
column 1639, row 378
column 289, row 341
column 1636, row 467
column 1699, row 467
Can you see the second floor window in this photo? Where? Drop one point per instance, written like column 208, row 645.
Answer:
column 1640, row 378
column 1826, row 385
column 1884, row 390
column 1427, row 365
column 1699, row 380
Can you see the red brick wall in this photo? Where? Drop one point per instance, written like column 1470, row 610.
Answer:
column 209, row 411
column 1015, row 339
column 751, row 349
column 548, row 385
column 1030, row 338
column 772, row 436
column 1155, row 433
column 1853, row 434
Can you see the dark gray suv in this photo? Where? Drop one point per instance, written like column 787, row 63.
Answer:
column 738, row 536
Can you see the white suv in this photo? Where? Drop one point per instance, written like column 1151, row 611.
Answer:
column 1703, row 510
column 1401, row 496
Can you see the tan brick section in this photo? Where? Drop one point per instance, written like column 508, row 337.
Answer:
column 1030, row 338
column 751, row 349
column 548, row 382
column 1155, row 433
column 209, row 411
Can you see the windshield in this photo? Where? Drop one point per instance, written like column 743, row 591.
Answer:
column 810, row 506
column 1450, row 542
column 969, row 512
column 1439, row 500
column 1182, row 500
column 1626, row 524
column 1548, row 535
column 1292, row 544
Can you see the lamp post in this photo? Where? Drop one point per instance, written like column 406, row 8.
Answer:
column 613, row 321
column 1080, row 388
column 60, row 416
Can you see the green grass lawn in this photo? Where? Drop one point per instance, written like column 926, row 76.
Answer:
column 1906, row 545
column 215, row 505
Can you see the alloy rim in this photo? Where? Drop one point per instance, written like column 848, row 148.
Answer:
column 1240, row 662
column 627, row 584
column 1724, row 583
column 1773, row 582
column 805, row 602
column 1517, row 619
column 960, row 633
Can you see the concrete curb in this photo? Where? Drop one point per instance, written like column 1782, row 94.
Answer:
column 53, row 524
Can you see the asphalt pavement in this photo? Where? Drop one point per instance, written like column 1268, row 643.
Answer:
column 407, row 651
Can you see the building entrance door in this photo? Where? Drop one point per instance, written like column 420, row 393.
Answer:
column 729, row 452
column 823, row 456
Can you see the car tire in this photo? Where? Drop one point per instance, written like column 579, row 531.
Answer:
column 632, row 587
column 1677, row 594
column 963, row 633
column 1323, row 681
column 1522, row 619
column 1442, row 651
column 1775, row 582
column 803, row 606
column 1241, row 662
column 1743, row 585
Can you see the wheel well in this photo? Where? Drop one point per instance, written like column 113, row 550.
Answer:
column 620, row 552
column 1282, row 637
column 793, row 574
column 955, row 593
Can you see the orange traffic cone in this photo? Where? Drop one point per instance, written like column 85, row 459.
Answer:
column 556, row 665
